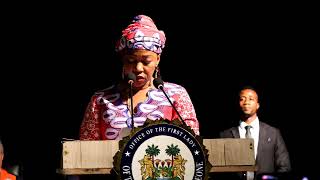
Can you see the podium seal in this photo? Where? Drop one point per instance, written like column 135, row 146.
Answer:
column 162, row 150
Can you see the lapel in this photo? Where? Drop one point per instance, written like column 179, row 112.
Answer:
column 262, row 135
column 235, row 132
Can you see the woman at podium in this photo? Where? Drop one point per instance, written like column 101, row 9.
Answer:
column 114, row 111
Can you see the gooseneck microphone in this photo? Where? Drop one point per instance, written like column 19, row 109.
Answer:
column 131, row 77
column 158, row 83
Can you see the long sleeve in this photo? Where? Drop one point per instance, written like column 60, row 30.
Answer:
column 282, row 159
column 186, row 109
column 90, row 124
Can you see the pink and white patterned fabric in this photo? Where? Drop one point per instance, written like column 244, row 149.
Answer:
column 106, row 115
column 142, row 34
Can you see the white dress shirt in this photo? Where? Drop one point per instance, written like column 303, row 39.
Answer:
column 254, row 133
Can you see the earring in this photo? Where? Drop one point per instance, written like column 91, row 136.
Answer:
column 156, row 72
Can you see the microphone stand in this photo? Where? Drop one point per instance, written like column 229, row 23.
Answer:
column 131, row 105
column 181, row 119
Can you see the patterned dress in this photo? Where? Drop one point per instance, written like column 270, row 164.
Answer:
column 106, row 115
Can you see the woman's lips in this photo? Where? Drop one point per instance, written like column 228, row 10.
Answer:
column 139, row 79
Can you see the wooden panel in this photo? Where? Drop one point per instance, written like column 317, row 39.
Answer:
column 112, row 149
column 233, row 168
column 89, row 154
column 97, row 154
column 230, row 151
column 216, row 151
column 82, row 171
column 96, row 157
column 239, row 152
column 71, row 156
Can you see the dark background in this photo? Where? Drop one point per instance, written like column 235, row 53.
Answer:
column 56, row 55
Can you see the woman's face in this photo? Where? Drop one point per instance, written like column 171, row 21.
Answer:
column 142, row 63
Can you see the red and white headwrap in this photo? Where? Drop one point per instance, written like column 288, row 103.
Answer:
column 142, row 34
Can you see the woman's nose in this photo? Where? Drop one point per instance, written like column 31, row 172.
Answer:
column 139, row 67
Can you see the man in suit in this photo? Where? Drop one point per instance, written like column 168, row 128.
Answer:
column 270, row 150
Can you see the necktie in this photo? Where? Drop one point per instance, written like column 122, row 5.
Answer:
column 248, row 133
column 250, row 174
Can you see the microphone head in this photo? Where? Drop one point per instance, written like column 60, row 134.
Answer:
column 130, row 77
column 158, row 82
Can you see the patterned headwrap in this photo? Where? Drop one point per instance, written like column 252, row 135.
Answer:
column 142, row 34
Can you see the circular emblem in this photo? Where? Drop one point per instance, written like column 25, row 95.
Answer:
column 162, row 151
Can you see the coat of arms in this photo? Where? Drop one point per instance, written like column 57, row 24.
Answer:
column 162, row 150
column 171, row 168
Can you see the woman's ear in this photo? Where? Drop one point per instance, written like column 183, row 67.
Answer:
column 158, row 60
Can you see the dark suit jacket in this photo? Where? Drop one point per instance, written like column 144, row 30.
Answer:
column 272, row 155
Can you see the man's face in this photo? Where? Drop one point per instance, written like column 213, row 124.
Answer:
column 248, row 102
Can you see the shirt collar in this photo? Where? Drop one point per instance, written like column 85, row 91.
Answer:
column 254, row 123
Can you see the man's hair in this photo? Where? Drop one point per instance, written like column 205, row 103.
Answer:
column 250, row 88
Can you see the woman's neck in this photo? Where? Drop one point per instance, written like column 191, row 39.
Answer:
column 136, row 92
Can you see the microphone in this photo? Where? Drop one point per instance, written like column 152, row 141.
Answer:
column 158, row 83
column 131, row 77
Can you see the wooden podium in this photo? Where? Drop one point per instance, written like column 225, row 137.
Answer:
column 96, row 157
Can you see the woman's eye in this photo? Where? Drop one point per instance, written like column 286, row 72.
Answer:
column 146, row 62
